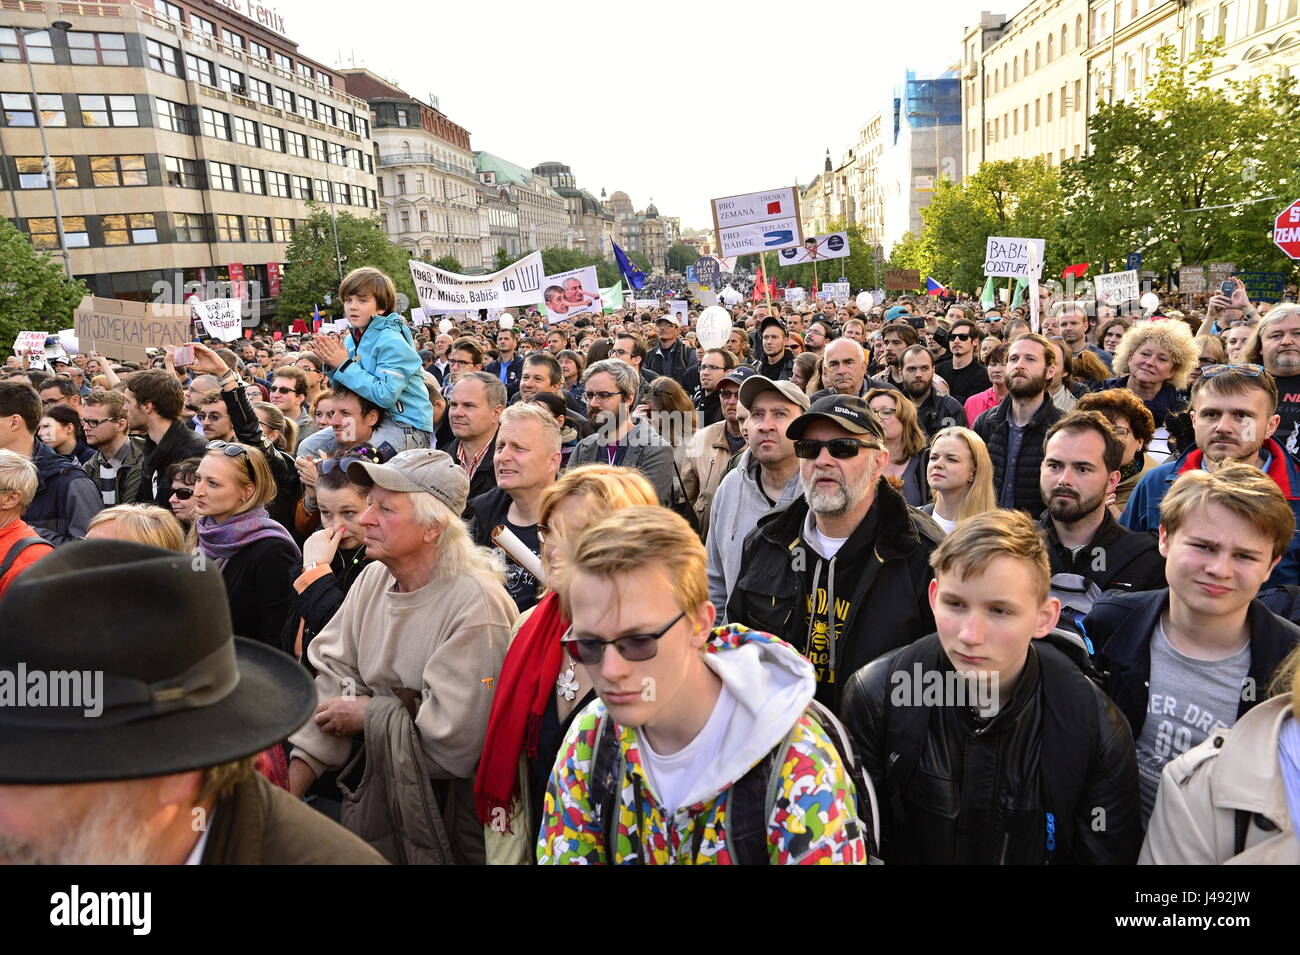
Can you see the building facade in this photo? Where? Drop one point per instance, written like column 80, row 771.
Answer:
column 184, row 139
column 543, row 217
column 428, row 188
column 591, row 223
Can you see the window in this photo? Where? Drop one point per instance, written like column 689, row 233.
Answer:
column 283, row 62
column 419, row 182
column 259, row 229
column 277, row 184
column 1049, row 106
column 251, row 181
column 347, row 121
column 323, row 193
column 424, row 221
column 343, row 192
column 174, row 116
column 301, row 187
column 327, row 115
column 405, row 219
column 183, row 173
column 305, row 71
column 1038, row 113
column 169, row 10
column 118, row 171
column 358, row 160
column 221, row 175
column 108, row 49
column 18, row 109
column 200, row 70
column 215, row 124
column 273, row 138
column 259, row 90
column 401, row 118
column 317, row 149
column 401, row 184
column 282, row 230
column 230, row 80
column 259, row 49
column 284, row 99
column 370, row 163
column 379, row 181
column 230, row 229
column 45, row 236
column 244, row 130
column 31, row 172
column 296, row 143
column 137, row 228
column 189, row 227
column 108, row 111
column 363, row 127
column 230, row 38
column 337, row 154
column 163, row 58
column 37, row 45
column 202, row 25
column 1078, row 95
column 307, row 106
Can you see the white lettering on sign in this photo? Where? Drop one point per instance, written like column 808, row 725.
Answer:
column 267, row 16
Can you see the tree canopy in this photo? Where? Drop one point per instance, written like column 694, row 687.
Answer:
column 35, row 293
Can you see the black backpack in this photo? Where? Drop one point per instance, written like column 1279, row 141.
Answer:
column 754, row 794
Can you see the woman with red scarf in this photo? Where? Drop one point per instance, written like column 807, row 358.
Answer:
column 541, row 688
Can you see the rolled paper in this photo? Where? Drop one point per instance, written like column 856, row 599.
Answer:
column 509, row 542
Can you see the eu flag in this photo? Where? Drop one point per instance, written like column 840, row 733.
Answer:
column 631, row 274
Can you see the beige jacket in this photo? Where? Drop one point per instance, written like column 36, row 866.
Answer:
column 1200, row 791
column 706, row 463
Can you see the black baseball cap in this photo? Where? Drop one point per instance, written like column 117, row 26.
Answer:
column 738, row 375
column 771, row 320
column 850, row 413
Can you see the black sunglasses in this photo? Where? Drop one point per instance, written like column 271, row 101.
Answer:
column 380, row 455
column 960, row 337
column 808, row 448
column 635, row 647
column 182, row 493
column 232, row 450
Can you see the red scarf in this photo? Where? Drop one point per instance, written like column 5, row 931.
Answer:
column 524, row 688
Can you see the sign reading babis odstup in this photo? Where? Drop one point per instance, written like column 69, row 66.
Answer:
column 123, row 330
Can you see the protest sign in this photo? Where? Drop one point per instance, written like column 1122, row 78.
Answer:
column 612, row 297
column 571, row 293
column 1220, row 272
column 123, row 330
column 713, row 327
column 220, row 318
column 68, row 339
column 900, row 280
column 30, row 343
column 757, row 222
column 680, row 311
column 834, row 245
column 1114, row 288
column 837, row 292
column 706, row 271
column 420, row 317
column 794, row 295
column 1191, row 279
column 1264, row 286
column 646, row 302
column 519, row 283
column 1006, row 257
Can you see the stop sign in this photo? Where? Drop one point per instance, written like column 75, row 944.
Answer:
column 1286, row 230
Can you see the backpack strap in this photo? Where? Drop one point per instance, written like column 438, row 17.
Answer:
column 605, row 789
column 16, row 549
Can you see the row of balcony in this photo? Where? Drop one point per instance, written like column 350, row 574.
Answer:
column 424, row 159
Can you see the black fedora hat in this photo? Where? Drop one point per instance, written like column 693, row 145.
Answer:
column 117, row 662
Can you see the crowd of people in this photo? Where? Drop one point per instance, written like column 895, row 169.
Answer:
column 920, row 584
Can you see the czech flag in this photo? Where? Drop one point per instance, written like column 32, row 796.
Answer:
column 932, row 287
column 315, row 318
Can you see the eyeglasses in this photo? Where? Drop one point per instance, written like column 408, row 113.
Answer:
column 182, row 493
column 600, row 395
column 635, row 647
column 885, row 412
column 620, row 352
column 1120, row 432
column 1250, row 371
column 91, row 423
column 728, row 394
column 713, row 368
column 211, row 416
column 458, row 363
column 284, row 391
column 47, row 402
column 809, row 448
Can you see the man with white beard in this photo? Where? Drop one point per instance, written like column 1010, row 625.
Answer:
column 1276, row 346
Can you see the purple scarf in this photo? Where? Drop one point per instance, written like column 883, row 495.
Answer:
column 220, row 541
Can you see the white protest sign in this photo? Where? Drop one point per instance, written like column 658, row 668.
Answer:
column 679, row 310
column 1004, row 257
column 815, row 249
column 1035, row 266
column 342, row 325
column 646, row 302
column 519, row 283
column 420, row 317
column 713, row 327
column 1116, row 287
column 757, row 222
column 761, row 237
column 794, row 295
column 68, row 339
column 220, row 317
column 30, row 343
column 571, row 293
column 837, row 292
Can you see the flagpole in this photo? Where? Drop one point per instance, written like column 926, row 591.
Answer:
column 767, row 279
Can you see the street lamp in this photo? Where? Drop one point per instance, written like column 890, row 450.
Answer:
column 63, row 26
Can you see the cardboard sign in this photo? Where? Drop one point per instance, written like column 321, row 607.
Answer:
column 1220, row 272
column 1006, row 257
column 220, row 318
column 518, row 284
column 834, row 245
column 901, row 280
column 1191, row 279
column 1114, row 288
column 31, row 343
column 123, row 330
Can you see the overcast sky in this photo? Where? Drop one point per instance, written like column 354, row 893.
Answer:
column 729, row 97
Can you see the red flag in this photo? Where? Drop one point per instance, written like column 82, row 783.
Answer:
column 773, row 287
column 1078, row 271
column 790, row 284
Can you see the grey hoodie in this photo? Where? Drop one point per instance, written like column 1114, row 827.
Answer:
column 737, row 506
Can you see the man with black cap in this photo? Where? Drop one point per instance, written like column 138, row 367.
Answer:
column 149, row 756
column 420, row 637
column 673, row 357
column 712, row 447
column 841, row 572
column 775, row 362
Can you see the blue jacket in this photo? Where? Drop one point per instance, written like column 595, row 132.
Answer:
column 1142, row 513
column 386, row 369
column 66, row 497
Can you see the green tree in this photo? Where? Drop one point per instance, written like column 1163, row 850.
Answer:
column 448, row 263
column 35, row 293
column 681, row 256
column 501, row 260
column 311, row 272
column 1183, row 174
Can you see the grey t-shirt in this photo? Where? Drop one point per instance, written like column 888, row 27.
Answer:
column 1187, row 699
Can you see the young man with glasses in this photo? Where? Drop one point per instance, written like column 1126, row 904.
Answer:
column 314, row 369
column 115, row 466
column 622, row 439
column 708, row 405
column 1234, row 418
column 701, row 748
column 962, row 371
column 289, row 394
column 841, row 572
column 60, row 391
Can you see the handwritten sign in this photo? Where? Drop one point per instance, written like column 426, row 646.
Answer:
column 1114, row 288
column 220, row 318
column 123, row 330
column 30, row 343
column 1005, row 257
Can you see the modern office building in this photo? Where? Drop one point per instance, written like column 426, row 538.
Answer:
column 186, row 141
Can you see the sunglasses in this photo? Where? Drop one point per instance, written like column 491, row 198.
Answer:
column 1251, row 371
column 635, row 647
column 808, row 448
column 284, row 391
column 182, row 493
column 959, row 337
column 380, row 455
column 232, row 450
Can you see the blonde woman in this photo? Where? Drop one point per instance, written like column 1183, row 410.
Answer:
column 1154, row 361
column 905, row 442
column 541, row 687
column 143, row 523
column 960, row 477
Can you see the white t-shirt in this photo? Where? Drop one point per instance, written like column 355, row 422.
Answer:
column 947, row 525
column 828, row 547
column 671, row 777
